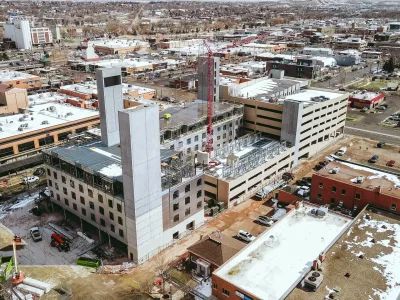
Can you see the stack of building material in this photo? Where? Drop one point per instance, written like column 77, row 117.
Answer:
column 30, row 289
column 45, row 287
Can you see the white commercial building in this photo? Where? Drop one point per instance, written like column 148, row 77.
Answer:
column 18, row 30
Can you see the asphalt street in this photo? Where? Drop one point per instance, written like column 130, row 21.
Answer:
column 335, row 81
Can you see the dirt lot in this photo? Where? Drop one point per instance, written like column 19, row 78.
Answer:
column 370, row 274
column 363, row 149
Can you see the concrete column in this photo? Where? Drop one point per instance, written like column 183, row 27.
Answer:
column 15, row 149
column 55, row 136
column 36, row 143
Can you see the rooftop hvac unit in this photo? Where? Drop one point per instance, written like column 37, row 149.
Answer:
column 69, row 114
column 334, row 170
column 360, row 179
column 313, row 280
column 44, row 122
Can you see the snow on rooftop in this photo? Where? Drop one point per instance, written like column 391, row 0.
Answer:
column 9, row 75
column 42, row 116
column 118, row 43
column 377, row 174
column 269, row 266
column 112, row 170
column 306, row 95
column 46, row 97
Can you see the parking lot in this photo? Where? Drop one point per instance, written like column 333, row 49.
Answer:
column 19, row 220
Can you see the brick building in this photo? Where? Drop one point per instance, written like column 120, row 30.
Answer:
column 355, row 186
column 366, row 99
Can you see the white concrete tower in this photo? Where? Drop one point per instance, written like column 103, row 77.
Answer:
column 109, row 91
column 141, row 168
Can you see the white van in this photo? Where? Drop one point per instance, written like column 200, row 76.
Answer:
column 341, row 151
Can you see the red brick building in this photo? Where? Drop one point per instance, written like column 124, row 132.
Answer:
column 366, row 99
column 355, row 186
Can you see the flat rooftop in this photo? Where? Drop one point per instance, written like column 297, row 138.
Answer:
column 42, row 116
column 390, row 184
column 265, row 88
column 311, row 96
column 365, row 95
column 191, row 114
column 375, row 274
column 270, row 266
column 90, row 88
column 118, row 43
column 47, row 97
column 9, row 75
column 106, row 161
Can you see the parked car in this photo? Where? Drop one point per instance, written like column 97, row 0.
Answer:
column 35, row 234
column 265, row 220
column 380, row 108
column 31, row 179
column 390, row 163
column 341, row 151
column 381, row 145
column 245, row 236
column 365, row 109
column 373, row 159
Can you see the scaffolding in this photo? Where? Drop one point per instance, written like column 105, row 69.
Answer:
column 175, row 171
column 263, row 150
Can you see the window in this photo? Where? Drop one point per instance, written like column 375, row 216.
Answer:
column 332, row 200
column 74, row 206
column 196, row 138
column 50, row 183
column 56, row 186
column 188, row 141
column 224, row 136
column 90, row 193
column 112, row 227
column 111, row 215
column 187, row 188
column 358, row 196
column 187, row 200
column 72, row 183
column 81, row 188
column 91, row 204
column 225, row 292
column 100, row 198
column 83, row 211
column 187, row 211
column 110, row 203
column 65, row 191
column 175, row 236
column 393, row 206
column 199, row 194
column 58, row 197
column 66, row 201
column 101, row 210
column 204, row 135
column 188, row 150
column 93, row 217
column 196, row 147
column 199, row 204
column 63, row 179
column 199, row 182
column 48, row 172
column 218, row 137
column 51, row 194
column 119, row 207
column 55, row 175
column 102, row 222
column 319, row 196
column 175, row 206
column 175, row 195
column 121, row 233
column 176, row 218
column 321, row 185
column 334, row 189
column 120, row 221
column 112, row 80
column 343, row 192
column 73, row 195
column 215, row 286
column 82, row 200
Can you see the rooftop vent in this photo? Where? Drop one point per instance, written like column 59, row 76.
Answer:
column 360, row 179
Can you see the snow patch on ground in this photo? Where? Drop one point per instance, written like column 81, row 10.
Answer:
column 388, row 264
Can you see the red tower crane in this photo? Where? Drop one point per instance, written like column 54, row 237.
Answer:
column 210, row 100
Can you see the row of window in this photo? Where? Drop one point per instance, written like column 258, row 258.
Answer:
column 187, row 210
column 93, row 216
column 393, row 206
